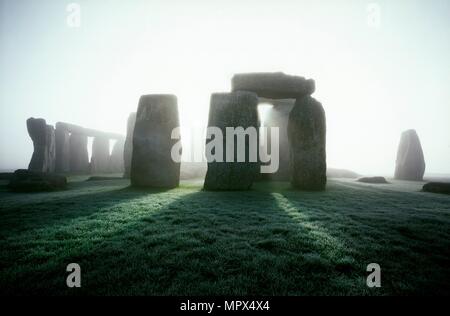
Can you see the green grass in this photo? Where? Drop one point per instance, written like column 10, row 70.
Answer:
column 268, row 241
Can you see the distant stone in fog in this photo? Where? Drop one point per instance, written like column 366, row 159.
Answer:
column 307, row 137
column 100, row 155
column 116, row 164
column 274, row 85
column 62, row 138
column 79, row 157
column 128, row 147
column 43, row 137
column 278, row 116
column 410, row 163
column 237, row 109
column 151, row 162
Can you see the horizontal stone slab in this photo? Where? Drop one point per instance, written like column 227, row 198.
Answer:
column 72, row 128
column 274, row 85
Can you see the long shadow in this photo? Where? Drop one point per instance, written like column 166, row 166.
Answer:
column 263, row 242
column 35, row 210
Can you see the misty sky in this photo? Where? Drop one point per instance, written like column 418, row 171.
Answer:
column 373, row 81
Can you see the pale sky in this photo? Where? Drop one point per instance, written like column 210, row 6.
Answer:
column 374, row 79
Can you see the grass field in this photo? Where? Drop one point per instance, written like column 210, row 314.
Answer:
column 268, row 241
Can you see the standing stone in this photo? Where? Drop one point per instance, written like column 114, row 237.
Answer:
column 116, row 159
column 100, row 155
column 237, row 109
column 410, row 164
column 128, row 147
column 43, row 137
column 62, row 137
column 79, row 157
column 307, row 138
column 278, row 116
column 151, row 163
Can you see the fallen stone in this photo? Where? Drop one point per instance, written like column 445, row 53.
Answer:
column 128, row 147
column 307, row 139
column 274, row 85
column 237, row 109
column 151, row 162
column 99, row 178
column 375, row 180
column 437, row 187
column 33, row 181
column 410, row 163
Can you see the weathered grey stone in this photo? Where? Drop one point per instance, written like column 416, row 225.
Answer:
column 34, row 181
column 374, row 180
column 79, row 157
column 43, row 137
column 410, row 163
column 62, row 137
column 151, row 163
column 237, row 109
column 100, row 155
column 437, row 187
column 278, row 116
column 274, row 85
column 128, row 147
column 307, row 137
column 116, row 164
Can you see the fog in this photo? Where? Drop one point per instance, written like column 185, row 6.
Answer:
column 374, row 76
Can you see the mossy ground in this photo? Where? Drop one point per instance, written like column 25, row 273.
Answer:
column 268, row 241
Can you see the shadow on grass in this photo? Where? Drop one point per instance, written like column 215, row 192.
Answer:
column 270, row 241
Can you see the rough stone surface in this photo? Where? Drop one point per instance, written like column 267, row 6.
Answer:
column 307, row 138
column 237, row 109
column 437, row 187
column 151, row 162
column 43, row 137
column 100, row 155
column 410, row 163
column 374, row 180
column 79, row 157
column 116, row 164
column 33, row 181
column 128, row 147
column 278, row 116
column 274, row 85
column 62, row 160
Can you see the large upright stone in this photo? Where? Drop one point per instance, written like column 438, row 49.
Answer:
column 79, row 157
column 410, row 164
column 274, row 85
column 307, row 138
column 128, row 147
column 100, row 155
column 237, row 109
column 278, row 116
column 62, row 137
column 43, row 137
column 151, row 163
column 116, row 159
